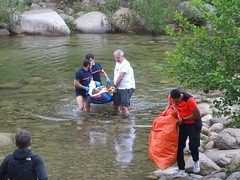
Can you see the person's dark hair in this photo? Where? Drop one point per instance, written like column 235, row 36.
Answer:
column 175, row 93
column 23, row 139
column 86, row 62
column 89, row 55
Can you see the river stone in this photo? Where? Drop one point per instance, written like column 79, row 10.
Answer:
column 11, row 85
column 228, row 139
column 222, row 158
column 43, row 22
column 191, row 11
column 234, row 176
column 93, row 22
column 4, row 32
column 33, row 80
column 235, row 162
column 217, row 176
column 204, row 109
column 6, row 139
column 206, row 164
column 217, row 127
column 6, row 103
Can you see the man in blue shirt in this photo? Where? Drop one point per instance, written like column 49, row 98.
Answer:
column 97, row 70
column 82, row 79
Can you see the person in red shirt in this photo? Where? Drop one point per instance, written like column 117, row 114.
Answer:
column 190, row 125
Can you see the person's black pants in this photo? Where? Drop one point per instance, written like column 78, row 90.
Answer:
column 193, row 132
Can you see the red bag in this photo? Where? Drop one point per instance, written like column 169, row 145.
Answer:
column 163, row 139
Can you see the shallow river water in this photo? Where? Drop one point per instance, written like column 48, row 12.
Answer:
column 37, row 94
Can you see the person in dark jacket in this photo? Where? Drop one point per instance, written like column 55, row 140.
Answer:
column 23, row 164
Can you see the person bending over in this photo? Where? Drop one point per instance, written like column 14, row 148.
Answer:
column 190, row 125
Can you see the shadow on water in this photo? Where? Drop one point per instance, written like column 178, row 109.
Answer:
column 37, row 93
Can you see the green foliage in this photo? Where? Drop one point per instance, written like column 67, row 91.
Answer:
column 7, row 9
column 209, row 58
column 76, row 6
column 156, row 13
column 111, row 7
column 70, row 23
column 5, row 12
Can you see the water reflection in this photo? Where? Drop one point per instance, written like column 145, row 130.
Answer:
column 124, row 144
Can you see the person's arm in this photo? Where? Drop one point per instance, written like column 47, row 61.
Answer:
column 108, row 80
column 77, row 84
column 104, row 73
column 40, row 169
column 3, row 169
column 120, row 78
column 195, row 115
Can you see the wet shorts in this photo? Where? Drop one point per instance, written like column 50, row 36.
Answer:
column 80, row 92
column 122, row 97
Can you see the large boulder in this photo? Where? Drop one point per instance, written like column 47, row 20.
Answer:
column 206, row 164
column 125, row 20
column 222, row 158
column 42, row 22
column 228, row 139
column 93, row 22
column 192, row 12
column 4, row 32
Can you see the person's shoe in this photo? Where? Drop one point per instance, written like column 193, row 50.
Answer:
column 196, row 167
column 181, row 173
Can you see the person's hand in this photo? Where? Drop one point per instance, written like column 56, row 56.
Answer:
column 86, row 88
column 180, row 122
column 97, row 83
column 108, row 81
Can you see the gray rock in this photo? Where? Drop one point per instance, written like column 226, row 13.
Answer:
column 228, row 139
column 93, row 22
column 234, row 176
column 42, row 22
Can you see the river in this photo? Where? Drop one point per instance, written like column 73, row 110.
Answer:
column 37, row 94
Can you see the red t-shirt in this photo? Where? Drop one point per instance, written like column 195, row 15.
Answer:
column 185, row 108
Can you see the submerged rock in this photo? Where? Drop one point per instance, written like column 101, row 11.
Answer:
column 11, row 85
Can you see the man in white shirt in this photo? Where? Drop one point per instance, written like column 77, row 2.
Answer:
column 124, row 83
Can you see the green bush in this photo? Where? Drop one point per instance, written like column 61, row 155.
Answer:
column 7, row 9
column 5, row 12
column 209, row 58
column 156, row 13
column 70, row 23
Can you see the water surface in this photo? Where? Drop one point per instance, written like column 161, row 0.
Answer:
column 37, row 93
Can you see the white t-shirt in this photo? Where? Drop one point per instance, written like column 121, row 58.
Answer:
column 128, row 81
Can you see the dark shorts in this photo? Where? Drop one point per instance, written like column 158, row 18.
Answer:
column 122, row 97
column 80, row 92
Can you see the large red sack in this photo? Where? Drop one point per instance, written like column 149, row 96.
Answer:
column 163, row 139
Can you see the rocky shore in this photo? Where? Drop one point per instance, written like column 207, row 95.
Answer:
column 62, row 17
column 219, row 150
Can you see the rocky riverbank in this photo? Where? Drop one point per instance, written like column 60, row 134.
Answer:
column 220, row 150
column 62, row 17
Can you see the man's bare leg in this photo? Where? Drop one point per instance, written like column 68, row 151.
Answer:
column 80, row 103
column 125, row 111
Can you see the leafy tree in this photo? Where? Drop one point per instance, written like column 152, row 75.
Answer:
column 209, row 58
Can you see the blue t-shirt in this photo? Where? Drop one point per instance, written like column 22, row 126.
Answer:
column 84, row 78
column 96, row 72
